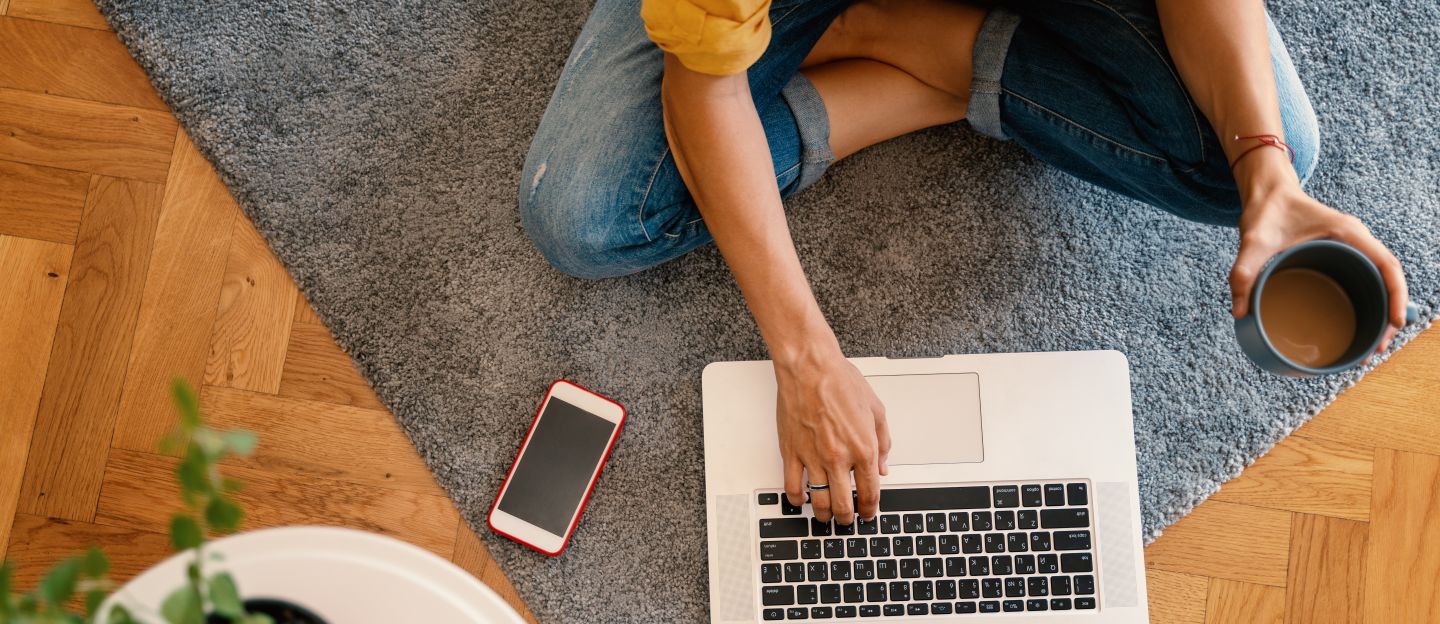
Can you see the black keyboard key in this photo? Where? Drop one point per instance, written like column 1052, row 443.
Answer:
column 1076, row 518
column 918, row 608
column 797, row 613
column 844, row 529
column 830, row 593
column 1077, row 494
column 779, row 551
column 894, row 609
column 945, row 589
column 816, row 572
column 1027, row 519
column 807, row 594
column 1059, row 586
column 1000, row 564
column 904, row 546
column 784, row 527
column 940, row 608
column 879, row 547
column 846, row 611
column 820, row 613
column 1072, row 540
column 1017, row 542
column 869, row 610
column 1015, row 587
column 979, row 566
column 855, row 547
column 899, row 591
column 925, row 499
column 834, row 548
column 810, row 549
column 1030, row 495
column 867, row 527
column 777, row 596
column 1005, row 521
column 949, row 544
column 1054, row 494
column 1007, row 496
column 959, row 521
column 886, row 569
column 922, row 590
column 794, row 572
column 913, row 523
column 1037, row 604
column 770, row 573
column 1076, row 562
column 970, row 543
column 969, row 589
column 925, row 545
column 769, row 498
column 1059, row 604
column 932, row 567
column 1036, row 586
column 1024, row 564
column 818, row 528
column 774, row 614
column 965, row 607
column 890, row 523
column 991, row 588
column 935, row 522
column 990, row 606
column 909, row 568
column 839, row 570
column 854, row 592
column 994, row 542
column 1040, row 541
column 787, row 509
column 954, row 566
column 864, row 570
column 1012, row 606
column 981, row 521
column 1084, row 603
column 1047, row 564
column 875, row 592
column 1084, row 586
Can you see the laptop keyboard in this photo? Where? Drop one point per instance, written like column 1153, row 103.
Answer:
column 1002, row 548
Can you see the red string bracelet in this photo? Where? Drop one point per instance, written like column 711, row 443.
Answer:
column 1266, row 140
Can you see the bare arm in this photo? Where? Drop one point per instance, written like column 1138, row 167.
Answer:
column 830, row 422
column 1223, row 54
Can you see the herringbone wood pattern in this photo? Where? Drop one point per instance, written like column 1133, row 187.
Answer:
column 124, row 262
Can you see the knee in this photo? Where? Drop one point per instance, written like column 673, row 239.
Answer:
column 573, row 226
column 1302, row 132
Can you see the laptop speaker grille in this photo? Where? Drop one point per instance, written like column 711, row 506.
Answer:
column 735, row 592
column 1117, row 554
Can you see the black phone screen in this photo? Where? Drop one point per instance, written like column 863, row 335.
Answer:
column 554, row 471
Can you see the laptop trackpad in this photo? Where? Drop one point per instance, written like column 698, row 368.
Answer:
column 934, row 419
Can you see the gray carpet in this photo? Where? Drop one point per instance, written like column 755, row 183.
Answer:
column 377, row 144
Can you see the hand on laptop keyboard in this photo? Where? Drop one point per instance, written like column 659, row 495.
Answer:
column 830, row 424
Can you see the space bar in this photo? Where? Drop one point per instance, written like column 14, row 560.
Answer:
column 918, row 499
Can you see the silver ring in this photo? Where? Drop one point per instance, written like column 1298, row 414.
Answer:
column 817, row 488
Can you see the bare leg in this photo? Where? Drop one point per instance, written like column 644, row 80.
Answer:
column 890, row 67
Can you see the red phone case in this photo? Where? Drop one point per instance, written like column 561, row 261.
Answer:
column 590, row 489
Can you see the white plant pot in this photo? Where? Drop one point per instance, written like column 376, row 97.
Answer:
column 342, row 575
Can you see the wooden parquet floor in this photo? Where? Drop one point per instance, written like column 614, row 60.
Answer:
column 124, row 262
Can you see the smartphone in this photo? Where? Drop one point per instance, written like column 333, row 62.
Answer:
column 557, row 466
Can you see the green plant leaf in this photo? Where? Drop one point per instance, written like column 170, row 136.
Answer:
column 240, row 442
column 225, row 596
column 7, row 607
column 194, row 475
column 185, row 402
column 93, row 598
column 120, row 615
column 94, row 564
column 184, row 606
column 59, row 584
column 230, row 486
column 185, row 532
column 257, row 618
column 223, row 515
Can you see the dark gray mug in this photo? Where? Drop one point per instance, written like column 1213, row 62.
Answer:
column 1355, row 273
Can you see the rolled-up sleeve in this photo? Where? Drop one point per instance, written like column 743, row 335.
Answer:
column 718, row 37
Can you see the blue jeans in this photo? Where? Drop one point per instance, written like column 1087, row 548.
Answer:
column 1085, row 85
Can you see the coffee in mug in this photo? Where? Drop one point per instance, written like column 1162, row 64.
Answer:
column 1308, row 316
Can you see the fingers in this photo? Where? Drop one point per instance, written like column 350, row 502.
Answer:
column 1248, row 264
column 795, row 481
column 819, row 499
column 867, row 490
column 841, row 504
column 882, row 436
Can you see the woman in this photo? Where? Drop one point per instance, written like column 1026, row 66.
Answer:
column 655, row 145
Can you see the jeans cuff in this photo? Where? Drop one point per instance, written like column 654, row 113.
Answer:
column 814, row 125
column 991, row 46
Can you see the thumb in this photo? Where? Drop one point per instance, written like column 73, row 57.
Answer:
column 1248, row 264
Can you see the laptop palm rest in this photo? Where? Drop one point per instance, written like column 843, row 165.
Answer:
column 934, row 418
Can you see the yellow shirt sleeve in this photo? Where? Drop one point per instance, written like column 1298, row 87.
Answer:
column 718, row 37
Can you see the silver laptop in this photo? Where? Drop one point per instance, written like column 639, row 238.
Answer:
column 1011, row 496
